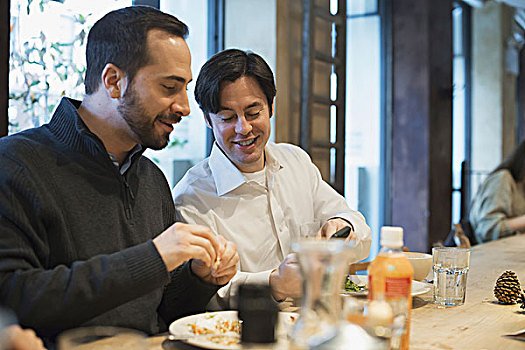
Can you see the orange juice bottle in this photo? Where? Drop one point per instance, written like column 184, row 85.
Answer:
column 390, row 277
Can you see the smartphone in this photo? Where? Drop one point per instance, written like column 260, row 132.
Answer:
column 342, row 233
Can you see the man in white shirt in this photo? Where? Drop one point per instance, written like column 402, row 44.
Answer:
column 256, row 193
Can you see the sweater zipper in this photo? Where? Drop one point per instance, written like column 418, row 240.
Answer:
column 129, row 194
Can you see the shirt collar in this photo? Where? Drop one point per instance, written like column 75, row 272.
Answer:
column 226, row 175
column 127, row 162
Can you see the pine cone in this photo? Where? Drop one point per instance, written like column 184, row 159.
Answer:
column 507, row 289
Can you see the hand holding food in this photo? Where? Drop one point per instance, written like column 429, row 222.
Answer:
column 182, row 242
column 223, row 268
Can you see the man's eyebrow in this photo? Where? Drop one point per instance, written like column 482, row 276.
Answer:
column 255, row 104
column 177, row 78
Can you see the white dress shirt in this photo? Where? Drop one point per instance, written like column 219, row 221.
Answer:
column 263, row 212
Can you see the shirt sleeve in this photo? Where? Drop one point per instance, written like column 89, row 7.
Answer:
column 492, row 206
column 227, row 295
column 328, row 203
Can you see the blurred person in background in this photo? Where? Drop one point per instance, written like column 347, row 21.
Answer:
column 498, row 208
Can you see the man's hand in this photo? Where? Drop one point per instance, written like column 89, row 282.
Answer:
column 286, row 281
column 224, row 267
column 17, row 338
column 182, row 242
column 332, row 226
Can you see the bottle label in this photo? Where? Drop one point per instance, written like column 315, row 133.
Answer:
column 397, row 287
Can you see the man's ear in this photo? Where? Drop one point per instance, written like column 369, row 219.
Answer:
column 113, row 80
column 207, row 120
column 273, row 107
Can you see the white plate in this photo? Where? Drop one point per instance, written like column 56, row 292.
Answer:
column 182, row 327
column 418, row 288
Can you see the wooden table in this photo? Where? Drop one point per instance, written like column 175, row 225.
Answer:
column 480, row 322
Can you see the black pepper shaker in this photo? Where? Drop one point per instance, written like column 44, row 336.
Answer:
column 258, row 313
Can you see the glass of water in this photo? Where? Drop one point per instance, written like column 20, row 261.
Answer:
column 450, row 267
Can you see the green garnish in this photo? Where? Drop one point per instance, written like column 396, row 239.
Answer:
column 353, row 287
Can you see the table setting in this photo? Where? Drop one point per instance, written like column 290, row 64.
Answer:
column 481, row 307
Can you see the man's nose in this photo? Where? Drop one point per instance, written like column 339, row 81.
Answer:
column 242, row 126
column 181, row 105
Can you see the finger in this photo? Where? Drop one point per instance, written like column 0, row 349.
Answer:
column 352, row 235
column 222, row 242
column 200, row 248
column 291, row 258
column 327, row 230
column 204, row 232
column 230, row 250
column 229, row 260
column 206, row 244
column 230, row 271
column 223, row 280
column 221, row 255
column 331, row 227
column 319, row 233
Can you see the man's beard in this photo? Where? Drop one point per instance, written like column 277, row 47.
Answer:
column 134, row 113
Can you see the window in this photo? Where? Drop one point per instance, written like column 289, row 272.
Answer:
column 47, row 58
column 188, row 139
column 363, row 162
column 460, row 111
column 48, row 61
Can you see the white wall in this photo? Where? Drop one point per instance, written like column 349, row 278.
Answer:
column 487, row 76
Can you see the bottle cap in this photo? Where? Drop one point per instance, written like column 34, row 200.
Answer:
column 392, row 236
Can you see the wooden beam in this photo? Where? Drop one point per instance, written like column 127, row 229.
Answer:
column 421, row 181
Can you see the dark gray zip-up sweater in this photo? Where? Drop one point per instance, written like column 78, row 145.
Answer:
column 76, row 236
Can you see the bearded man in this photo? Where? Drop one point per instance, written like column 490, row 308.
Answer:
column 87, row 223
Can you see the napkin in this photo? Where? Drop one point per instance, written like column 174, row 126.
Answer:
column 519, row 335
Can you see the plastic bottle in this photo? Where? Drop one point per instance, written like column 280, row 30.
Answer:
column 390, row 277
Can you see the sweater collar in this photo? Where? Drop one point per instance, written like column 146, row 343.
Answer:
column 67, row 125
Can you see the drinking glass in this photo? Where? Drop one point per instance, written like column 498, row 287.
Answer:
column 102, row 338
column 450, row 266
column 323, row 264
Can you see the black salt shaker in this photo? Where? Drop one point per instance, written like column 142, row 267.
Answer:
column 258, row 313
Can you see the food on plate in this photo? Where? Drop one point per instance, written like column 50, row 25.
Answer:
column 222, row 331
column 351, row 286
column 214, row 324
column 225, row 331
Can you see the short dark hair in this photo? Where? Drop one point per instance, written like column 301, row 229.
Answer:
column 120, row 37
column 230, row 65
column 515, row 163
